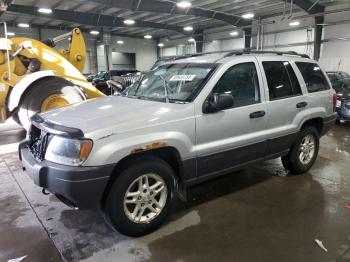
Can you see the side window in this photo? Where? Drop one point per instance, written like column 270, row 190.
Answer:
column 281, row 80
column 241, row 81
column 314, row 79
column 293, row 79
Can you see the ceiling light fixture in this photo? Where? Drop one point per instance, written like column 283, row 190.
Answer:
column 94, row 32
column 129, row 22
column 188, row 28
column 294, row 23
column 45, row 10
column 184, row 4
column 248, row 16
column 160, row 45
column 234, row 33
column 24, row 25
column 10, row 34
column 147, row 37
column 120, row 42
column 191, row 40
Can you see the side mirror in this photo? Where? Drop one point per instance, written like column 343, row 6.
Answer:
column 217, row 102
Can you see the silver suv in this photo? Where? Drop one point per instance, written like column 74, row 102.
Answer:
column 185, row 122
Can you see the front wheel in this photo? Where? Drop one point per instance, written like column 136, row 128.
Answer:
column 304, row 151
column 141, row 196
column 47, row 94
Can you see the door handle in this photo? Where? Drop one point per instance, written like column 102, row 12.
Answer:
column 257, row 114
column 301, row 104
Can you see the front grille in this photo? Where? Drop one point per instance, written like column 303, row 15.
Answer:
column 129, row 80
column 38, row 141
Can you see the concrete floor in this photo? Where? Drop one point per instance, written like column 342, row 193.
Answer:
column 258, row 214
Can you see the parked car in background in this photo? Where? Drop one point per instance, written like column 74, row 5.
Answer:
column 100, row 80
column 187, row 121
column 103, row 76
column 343, row 104
column 341, row 84
column 92, row 76
column 339, row 79
column 89, row 76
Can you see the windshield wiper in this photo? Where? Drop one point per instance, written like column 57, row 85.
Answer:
column 166, row 89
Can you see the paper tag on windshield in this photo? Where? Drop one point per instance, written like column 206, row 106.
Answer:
column 182, row 77
column 2, row 87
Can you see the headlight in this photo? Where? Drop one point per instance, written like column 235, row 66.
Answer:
column 68, row 151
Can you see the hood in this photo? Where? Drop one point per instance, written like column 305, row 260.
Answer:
column 116, row 113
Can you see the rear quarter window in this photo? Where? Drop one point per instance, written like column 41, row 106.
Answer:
column 313, row 76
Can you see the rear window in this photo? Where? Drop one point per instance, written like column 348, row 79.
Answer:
column 313, row 76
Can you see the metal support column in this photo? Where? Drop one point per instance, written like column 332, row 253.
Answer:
column 319, row 20
column 158, row 48
column 247, row 37
column 40, row 35
column 199, row 41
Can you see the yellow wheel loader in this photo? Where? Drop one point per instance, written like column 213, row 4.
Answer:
column 35, row 78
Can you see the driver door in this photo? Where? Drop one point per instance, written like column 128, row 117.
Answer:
column 233, row 136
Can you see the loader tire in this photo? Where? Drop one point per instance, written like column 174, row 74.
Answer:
column 44, row 95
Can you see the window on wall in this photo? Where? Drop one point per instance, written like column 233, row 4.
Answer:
column 281, row 79
column 313, row 76
column 241, row 81
column 122, row 60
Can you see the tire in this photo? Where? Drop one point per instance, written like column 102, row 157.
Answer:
column 41, row 90
column 292, row 160
column 120, row 214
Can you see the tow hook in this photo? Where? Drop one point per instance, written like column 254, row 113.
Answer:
column 45, row 192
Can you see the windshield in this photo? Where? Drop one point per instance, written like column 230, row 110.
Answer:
column 159, row 63
column 171, row 82
column 333, row 77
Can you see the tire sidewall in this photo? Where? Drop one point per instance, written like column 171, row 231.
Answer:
column 115, row 200
column 40, row 90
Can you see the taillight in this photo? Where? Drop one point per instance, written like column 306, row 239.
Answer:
column 334, row 102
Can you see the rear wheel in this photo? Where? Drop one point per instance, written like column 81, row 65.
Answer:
column 304, row 151
column 140, row 198
column 45, row 95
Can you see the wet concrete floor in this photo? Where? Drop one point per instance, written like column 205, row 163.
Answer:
column 257, row 214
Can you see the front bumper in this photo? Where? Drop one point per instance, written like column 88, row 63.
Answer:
column 80, row 187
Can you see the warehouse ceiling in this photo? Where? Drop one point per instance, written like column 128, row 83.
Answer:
column 158, row 18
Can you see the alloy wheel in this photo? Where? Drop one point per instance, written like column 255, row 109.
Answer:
column 307, row 149
column 145, row 198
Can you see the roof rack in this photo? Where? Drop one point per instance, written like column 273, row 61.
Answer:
column 249, row 51
column 228, row 53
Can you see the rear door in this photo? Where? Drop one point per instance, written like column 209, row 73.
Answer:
column 286, row 101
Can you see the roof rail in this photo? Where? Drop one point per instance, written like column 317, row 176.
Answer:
column 249, row 51
column 228, row 53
